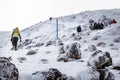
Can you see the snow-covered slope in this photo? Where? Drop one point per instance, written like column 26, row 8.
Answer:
column 4, row 38
column 44, row 32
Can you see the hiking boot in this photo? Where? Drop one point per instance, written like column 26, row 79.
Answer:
column 15, row 49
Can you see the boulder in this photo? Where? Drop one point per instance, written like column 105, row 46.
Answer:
column 44, row 61
column 51, row 74
column 24, row 43
column 69, row 52
column 117, row 40
column 96, row 37
column 77, row 37
column 100, row 60
column 38, row 44
column 50, row 43
column 105, row 74
column 8, row 70
column 22, row 59
column 92, row 48
column 101, row 44
column 72, row 35
column 59, row 42
column 31, row 52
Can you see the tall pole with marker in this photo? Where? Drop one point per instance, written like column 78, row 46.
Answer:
column 57, row 29
column 57, row 32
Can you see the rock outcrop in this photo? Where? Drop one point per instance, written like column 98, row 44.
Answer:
column 69, row 52
column 8, row 71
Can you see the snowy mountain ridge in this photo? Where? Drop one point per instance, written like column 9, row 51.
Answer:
column 41, row 39
column 67, row 24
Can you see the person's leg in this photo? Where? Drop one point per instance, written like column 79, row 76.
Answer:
column 16, row 40
column 13, row 43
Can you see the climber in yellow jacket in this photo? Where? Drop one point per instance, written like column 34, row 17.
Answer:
column 14, row 38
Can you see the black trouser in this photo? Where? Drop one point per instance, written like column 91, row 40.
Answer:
column 14, row 42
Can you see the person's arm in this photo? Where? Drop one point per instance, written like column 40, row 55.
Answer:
column 12, row 36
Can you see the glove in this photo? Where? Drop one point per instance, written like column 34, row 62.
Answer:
column 11, row 39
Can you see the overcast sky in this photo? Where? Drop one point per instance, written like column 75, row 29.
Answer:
column 24, row 13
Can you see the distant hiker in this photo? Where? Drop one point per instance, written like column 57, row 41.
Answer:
column 92, row 24
column 100, row 25
column 50, row 18
column 95, row 25
column 113, row 21
column 14, row 38
column 79, row 29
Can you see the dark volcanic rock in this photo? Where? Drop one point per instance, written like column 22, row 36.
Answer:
column 8, row 71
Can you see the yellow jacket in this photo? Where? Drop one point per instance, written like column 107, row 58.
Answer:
column 16, row 33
